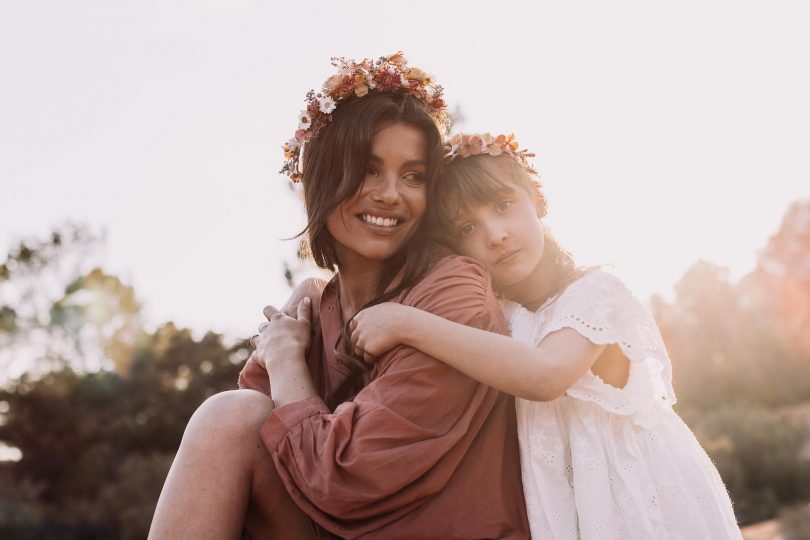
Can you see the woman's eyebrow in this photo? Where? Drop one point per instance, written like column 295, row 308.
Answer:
column 409, row 163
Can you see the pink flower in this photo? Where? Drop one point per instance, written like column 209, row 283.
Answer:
column 387, row 79
column 471, row 145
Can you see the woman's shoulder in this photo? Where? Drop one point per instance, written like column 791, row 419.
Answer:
column 452, row 283
column 452, row 271
column 449, row 266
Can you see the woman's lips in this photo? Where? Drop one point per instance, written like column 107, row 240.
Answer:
column 380, row 230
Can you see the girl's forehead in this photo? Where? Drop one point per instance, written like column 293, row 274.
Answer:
column 464, row 207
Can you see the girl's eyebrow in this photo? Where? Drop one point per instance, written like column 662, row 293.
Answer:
column 461, row 217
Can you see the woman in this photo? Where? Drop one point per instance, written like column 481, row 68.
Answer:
column 406, row 448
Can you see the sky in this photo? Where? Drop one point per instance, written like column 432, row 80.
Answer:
column 665, row 132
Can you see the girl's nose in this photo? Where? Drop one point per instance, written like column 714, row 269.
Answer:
column 496, row 234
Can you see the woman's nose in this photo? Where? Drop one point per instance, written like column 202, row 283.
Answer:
column 387, row 190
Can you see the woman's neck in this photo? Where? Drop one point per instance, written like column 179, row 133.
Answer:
column 357, row 287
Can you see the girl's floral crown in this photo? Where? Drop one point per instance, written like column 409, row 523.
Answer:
column 462, row 145
column 386, row 74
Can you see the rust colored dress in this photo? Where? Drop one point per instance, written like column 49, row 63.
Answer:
column 421, row 450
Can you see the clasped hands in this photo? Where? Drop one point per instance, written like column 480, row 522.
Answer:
column 374, row 330
column 285, row 336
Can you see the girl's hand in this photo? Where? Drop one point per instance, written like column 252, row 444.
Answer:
column 378, row 329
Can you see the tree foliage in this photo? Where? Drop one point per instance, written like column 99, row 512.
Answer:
column 102, row 408
column 741, row 366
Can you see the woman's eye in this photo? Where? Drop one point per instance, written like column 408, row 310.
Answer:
column 415, row 177
column 371, row 171
column 503, row 206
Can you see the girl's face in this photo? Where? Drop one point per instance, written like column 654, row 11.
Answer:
column 506, row 236
column 380, row 219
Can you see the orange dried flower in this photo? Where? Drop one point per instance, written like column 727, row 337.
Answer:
column 396, row 59
column 360, row 84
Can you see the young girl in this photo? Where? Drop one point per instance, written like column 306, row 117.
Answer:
column 603, row 454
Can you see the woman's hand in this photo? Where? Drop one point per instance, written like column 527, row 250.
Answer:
column 378, row 329
column 281, row 348
column 283, row 337
column 312, row 288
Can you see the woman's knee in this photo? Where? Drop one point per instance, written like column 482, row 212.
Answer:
column 233, row 414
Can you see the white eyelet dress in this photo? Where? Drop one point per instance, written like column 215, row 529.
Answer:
column 602, row 462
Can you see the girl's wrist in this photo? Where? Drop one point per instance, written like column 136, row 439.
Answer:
column 410, row 329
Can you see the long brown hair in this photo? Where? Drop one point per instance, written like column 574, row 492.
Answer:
column 466, row 183
column 334, row 167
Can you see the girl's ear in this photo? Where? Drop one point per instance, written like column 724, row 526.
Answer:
column 540, row 205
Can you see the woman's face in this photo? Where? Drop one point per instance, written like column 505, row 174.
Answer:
column 380, row 219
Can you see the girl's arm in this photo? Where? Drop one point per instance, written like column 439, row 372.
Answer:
column 540, row 373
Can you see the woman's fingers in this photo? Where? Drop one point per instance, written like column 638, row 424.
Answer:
column 269, row 311
column 304, row 310
column 253, row 340
column 263, row 326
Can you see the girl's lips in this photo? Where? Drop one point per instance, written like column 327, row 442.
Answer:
column 507, row 257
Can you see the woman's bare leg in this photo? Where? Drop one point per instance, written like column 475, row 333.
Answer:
column 223, row 475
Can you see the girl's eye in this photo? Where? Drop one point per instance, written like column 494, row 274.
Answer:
column 503, row 206
column 466, row 229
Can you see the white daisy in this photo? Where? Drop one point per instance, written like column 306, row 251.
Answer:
column 304, row 120
column 327, row 104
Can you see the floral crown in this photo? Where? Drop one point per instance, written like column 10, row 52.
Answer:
column 462, row 145
column 386, row 74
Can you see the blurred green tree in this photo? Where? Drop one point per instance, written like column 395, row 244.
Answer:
column 101, row 411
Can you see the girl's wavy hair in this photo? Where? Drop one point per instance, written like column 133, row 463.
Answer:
column 469, row 182
column 334, row 166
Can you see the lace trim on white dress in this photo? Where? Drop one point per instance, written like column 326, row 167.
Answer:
column 600, row 308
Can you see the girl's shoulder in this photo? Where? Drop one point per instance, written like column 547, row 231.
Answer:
column 597, row 278
column 597, row 304
column 596, row 289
